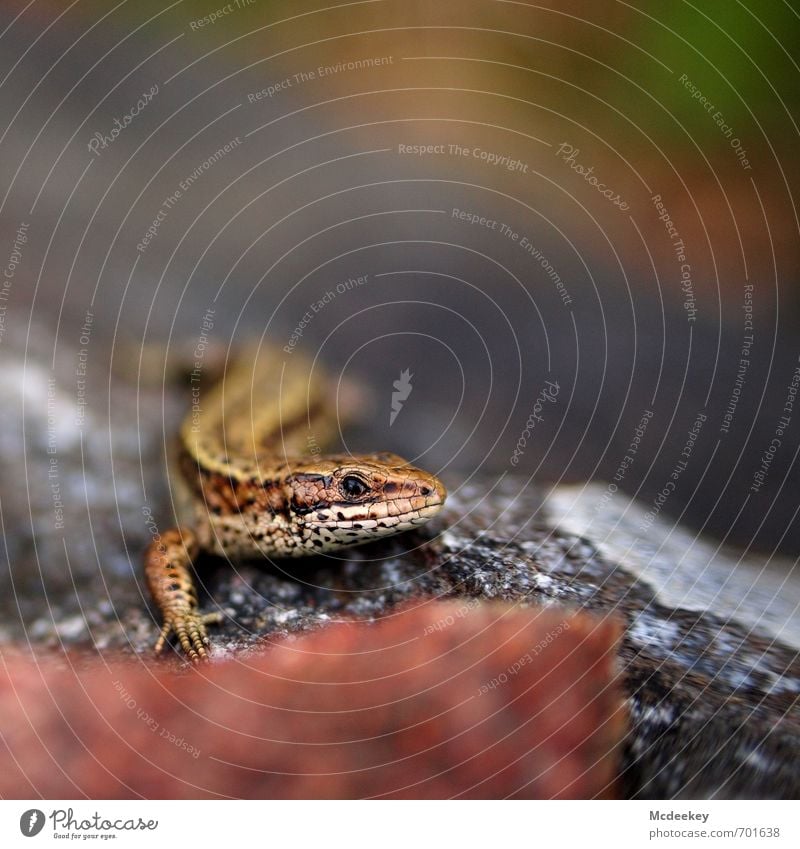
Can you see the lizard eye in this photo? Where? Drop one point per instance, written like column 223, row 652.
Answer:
column 353, row 487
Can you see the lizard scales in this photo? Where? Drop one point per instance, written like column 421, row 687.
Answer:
column 253, row 487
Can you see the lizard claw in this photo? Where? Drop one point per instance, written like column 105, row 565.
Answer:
column 190, row 629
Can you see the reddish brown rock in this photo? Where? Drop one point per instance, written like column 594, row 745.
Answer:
column 437, row 700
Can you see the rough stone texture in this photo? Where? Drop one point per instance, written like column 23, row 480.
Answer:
column 58, row 579
column 436, row 701
column 713, row 688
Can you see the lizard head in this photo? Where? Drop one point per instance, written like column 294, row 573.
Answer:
column 341, row 500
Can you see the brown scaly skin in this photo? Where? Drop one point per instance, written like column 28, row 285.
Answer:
column 250, row 501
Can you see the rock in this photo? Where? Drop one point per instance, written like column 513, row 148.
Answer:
column 710, row 652
column 711, row 636
column 437, row 700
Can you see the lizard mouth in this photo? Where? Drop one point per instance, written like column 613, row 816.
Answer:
column 348, row 522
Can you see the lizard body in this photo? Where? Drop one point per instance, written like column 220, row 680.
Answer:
column 259, row 486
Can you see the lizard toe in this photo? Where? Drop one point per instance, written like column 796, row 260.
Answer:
column 191, row 632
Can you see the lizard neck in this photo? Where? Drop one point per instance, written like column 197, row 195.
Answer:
column 235, row 485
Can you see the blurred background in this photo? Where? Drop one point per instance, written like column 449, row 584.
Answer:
column 594, row 200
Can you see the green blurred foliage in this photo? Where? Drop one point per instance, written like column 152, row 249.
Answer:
column 734, row 52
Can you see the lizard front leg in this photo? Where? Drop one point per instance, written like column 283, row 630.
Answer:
column 169, row 577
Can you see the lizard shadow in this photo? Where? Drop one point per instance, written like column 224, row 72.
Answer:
column 263, row 596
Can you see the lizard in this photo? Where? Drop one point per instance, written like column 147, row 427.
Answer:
column 253, row 482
